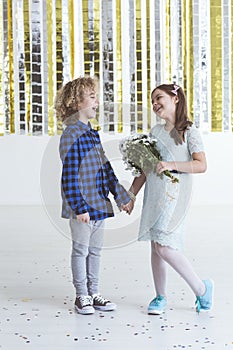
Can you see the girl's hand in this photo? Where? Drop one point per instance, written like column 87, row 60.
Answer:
column 128, row 207
column 162, row 166
column 85, row 217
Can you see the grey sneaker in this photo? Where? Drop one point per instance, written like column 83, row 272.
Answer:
column 84, row 305
column 102, row 304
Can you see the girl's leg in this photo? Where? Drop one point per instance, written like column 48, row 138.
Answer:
column 181, row 265
column 159, row 270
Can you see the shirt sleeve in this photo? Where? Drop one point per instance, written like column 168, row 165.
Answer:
column 118, row 191
column 195, row 143
column 69, row 152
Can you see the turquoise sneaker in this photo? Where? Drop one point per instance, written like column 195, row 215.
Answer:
column 204, row 302
column 157, row 305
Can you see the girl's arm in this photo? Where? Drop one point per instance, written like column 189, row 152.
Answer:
column 137, row 184
column 196, row 165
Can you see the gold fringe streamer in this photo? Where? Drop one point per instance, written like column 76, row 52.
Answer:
column 216, row 64
column 51, row 67
column 71, row 35
column 91, row 11
column 59, row 43
column 87, row 62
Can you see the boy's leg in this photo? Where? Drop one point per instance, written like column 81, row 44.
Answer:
column 93, row 264
column 81, row 233
column 93, row 258
column 78, row 267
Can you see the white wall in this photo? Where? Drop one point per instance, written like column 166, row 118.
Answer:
column 30, row 166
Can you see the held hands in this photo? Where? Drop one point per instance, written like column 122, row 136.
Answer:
column 85, row 217
column 128, row 208
column 130, row 205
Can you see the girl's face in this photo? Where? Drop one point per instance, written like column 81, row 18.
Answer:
column 164, row 105
column 88, row 106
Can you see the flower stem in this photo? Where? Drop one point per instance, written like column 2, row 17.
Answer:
column 173, row 178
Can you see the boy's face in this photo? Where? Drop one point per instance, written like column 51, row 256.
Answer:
column 88, row 107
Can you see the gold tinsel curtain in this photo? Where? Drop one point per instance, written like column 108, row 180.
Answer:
column 131, row 45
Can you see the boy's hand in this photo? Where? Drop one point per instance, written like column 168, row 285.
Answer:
column 83, row 218
column 128, row 208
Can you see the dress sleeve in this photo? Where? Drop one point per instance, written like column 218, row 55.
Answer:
column 194, row 140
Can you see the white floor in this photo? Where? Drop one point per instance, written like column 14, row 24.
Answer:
column 37, row 296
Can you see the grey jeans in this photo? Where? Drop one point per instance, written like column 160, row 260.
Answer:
column 87, row 241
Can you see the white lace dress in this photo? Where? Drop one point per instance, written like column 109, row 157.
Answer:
column 165, row 204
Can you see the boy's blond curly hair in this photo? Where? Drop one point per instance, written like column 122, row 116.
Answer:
column 70, row 95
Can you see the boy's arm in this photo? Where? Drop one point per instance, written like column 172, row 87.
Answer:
column 69, row 153
column 120, row 194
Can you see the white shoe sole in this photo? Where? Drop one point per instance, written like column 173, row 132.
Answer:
column 110, row 307
column 155, row 312
column 88, row 311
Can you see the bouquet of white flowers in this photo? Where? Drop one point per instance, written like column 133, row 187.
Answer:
column 140, row 154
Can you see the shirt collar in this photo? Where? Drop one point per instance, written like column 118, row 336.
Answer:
column 84, row 126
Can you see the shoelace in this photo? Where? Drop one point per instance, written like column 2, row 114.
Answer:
column 198, row 304
column 85, row 300
column 158, row 299
column 101, row 299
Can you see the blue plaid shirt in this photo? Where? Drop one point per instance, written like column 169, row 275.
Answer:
column 87, row 175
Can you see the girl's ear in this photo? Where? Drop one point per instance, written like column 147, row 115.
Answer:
column 176, row 99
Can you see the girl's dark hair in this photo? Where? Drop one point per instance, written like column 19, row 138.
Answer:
column 70, row 95
column 181, row 118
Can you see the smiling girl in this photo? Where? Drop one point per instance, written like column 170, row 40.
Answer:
column 165, row 203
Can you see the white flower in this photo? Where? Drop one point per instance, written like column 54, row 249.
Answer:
column 141, row 155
